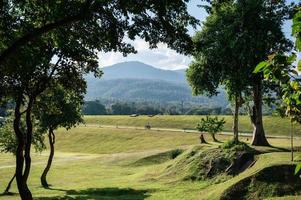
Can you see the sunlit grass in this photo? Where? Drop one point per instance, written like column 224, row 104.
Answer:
column 97, row 163
column 273, row 125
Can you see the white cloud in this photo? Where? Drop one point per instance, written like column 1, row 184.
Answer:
column 161, row 57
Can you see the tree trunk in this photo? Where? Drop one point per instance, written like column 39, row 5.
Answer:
column 235, row 120
column 28, row 140
column 24, row 191
column 6, row 191
column 202, row 139
column 213, row 137
column 51, row 138
column 259, row 138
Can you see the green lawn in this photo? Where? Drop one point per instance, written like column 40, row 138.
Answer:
column 273, row 125
column 97, row 163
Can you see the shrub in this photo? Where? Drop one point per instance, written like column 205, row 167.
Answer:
column 211, row 125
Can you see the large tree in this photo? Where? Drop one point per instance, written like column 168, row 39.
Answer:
column 105, row 22
column 25, row 80
column 34, row 33
column 235, row 37
column 215, row 61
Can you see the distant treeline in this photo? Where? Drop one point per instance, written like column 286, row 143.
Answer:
column 97, row 107
column 148, row 108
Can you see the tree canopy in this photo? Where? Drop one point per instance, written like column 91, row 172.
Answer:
column 235, row 37
column 59, row 40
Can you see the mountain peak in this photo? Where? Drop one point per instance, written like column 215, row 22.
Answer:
column 136, row 69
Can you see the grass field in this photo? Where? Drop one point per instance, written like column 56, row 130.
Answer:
column 98, row 163
column 273, row 125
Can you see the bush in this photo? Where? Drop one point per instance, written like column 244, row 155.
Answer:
column 175, row 153
column 211, row 125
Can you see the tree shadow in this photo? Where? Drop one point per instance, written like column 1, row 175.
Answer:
column 281, row 149
column 113, row 193
column 217, row 141
column 9, row 194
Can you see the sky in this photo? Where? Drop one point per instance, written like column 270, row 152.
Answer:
column 162, row 57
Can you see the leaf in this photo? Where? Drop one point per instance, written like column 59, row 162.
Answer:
column 295, row 85
column 299, row 66
column 260, row 66
column 271, row 57
column 297, row 169
column 292, row 58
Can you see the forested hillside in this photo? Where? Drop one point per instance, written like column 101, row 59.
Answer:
column 135, row 81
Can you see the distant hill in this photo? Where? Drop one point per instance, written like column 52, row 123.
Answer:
column 136, row 81
column 139, row 70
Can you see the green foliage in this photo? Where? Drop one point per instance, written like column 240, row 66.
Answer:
column 8, row 140
column 234, row 38
column 59, row 107
column 237, row 146
column 175, row 153
column 211, row 125
column 280, row 69
column 94, row 108
column 296, row 29
column 94, row 25
column 298, row 168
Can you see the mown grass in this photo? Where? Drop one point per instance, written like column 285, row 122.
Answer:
column 265, row 160
column 99, row 163
column 273, row 125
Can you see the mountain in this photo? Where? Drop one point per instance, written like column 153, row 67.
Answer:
column 139, row 70
column 136, row 81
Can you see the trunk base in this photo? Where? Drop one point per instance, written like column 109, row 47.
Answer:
column 259, row 139
column 202, row 139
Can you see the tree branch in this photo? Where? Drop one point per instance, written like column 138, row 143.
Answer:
column 44, row 29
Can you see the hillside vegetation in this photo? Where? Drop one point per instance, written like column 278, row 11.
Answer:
column 136, row 81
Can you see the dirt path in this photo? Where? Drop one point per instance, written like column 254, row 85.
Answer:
column 183, row 131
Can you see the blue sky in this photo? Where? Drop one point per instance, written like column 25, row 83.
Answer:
column 163, row 57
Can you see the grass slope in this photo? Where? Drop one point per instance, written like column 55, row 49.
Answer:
column 273, row 125
column 264, row 160
column 97, row 163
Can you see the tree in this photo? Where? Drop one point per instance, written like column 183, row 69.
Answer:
column 94, row 108
column 25, row 81
column 281, row 69
column 211, row 125
column 73, row 31
column 154, row 21
column 235, row 37
column 57, row 107
column 121, row 109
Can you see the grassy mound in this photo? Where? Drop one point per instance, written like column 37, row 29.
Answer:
column 215, row 163
column 273, row 181
column 158, row 158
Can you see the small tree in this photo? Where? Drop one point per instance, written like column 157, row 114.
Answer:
column 211, row 125
column 57, row 107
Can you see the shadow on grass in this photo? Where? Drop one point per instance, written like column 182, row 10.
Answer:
column 281, row 149
column 9, row 194
column 100, row 193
